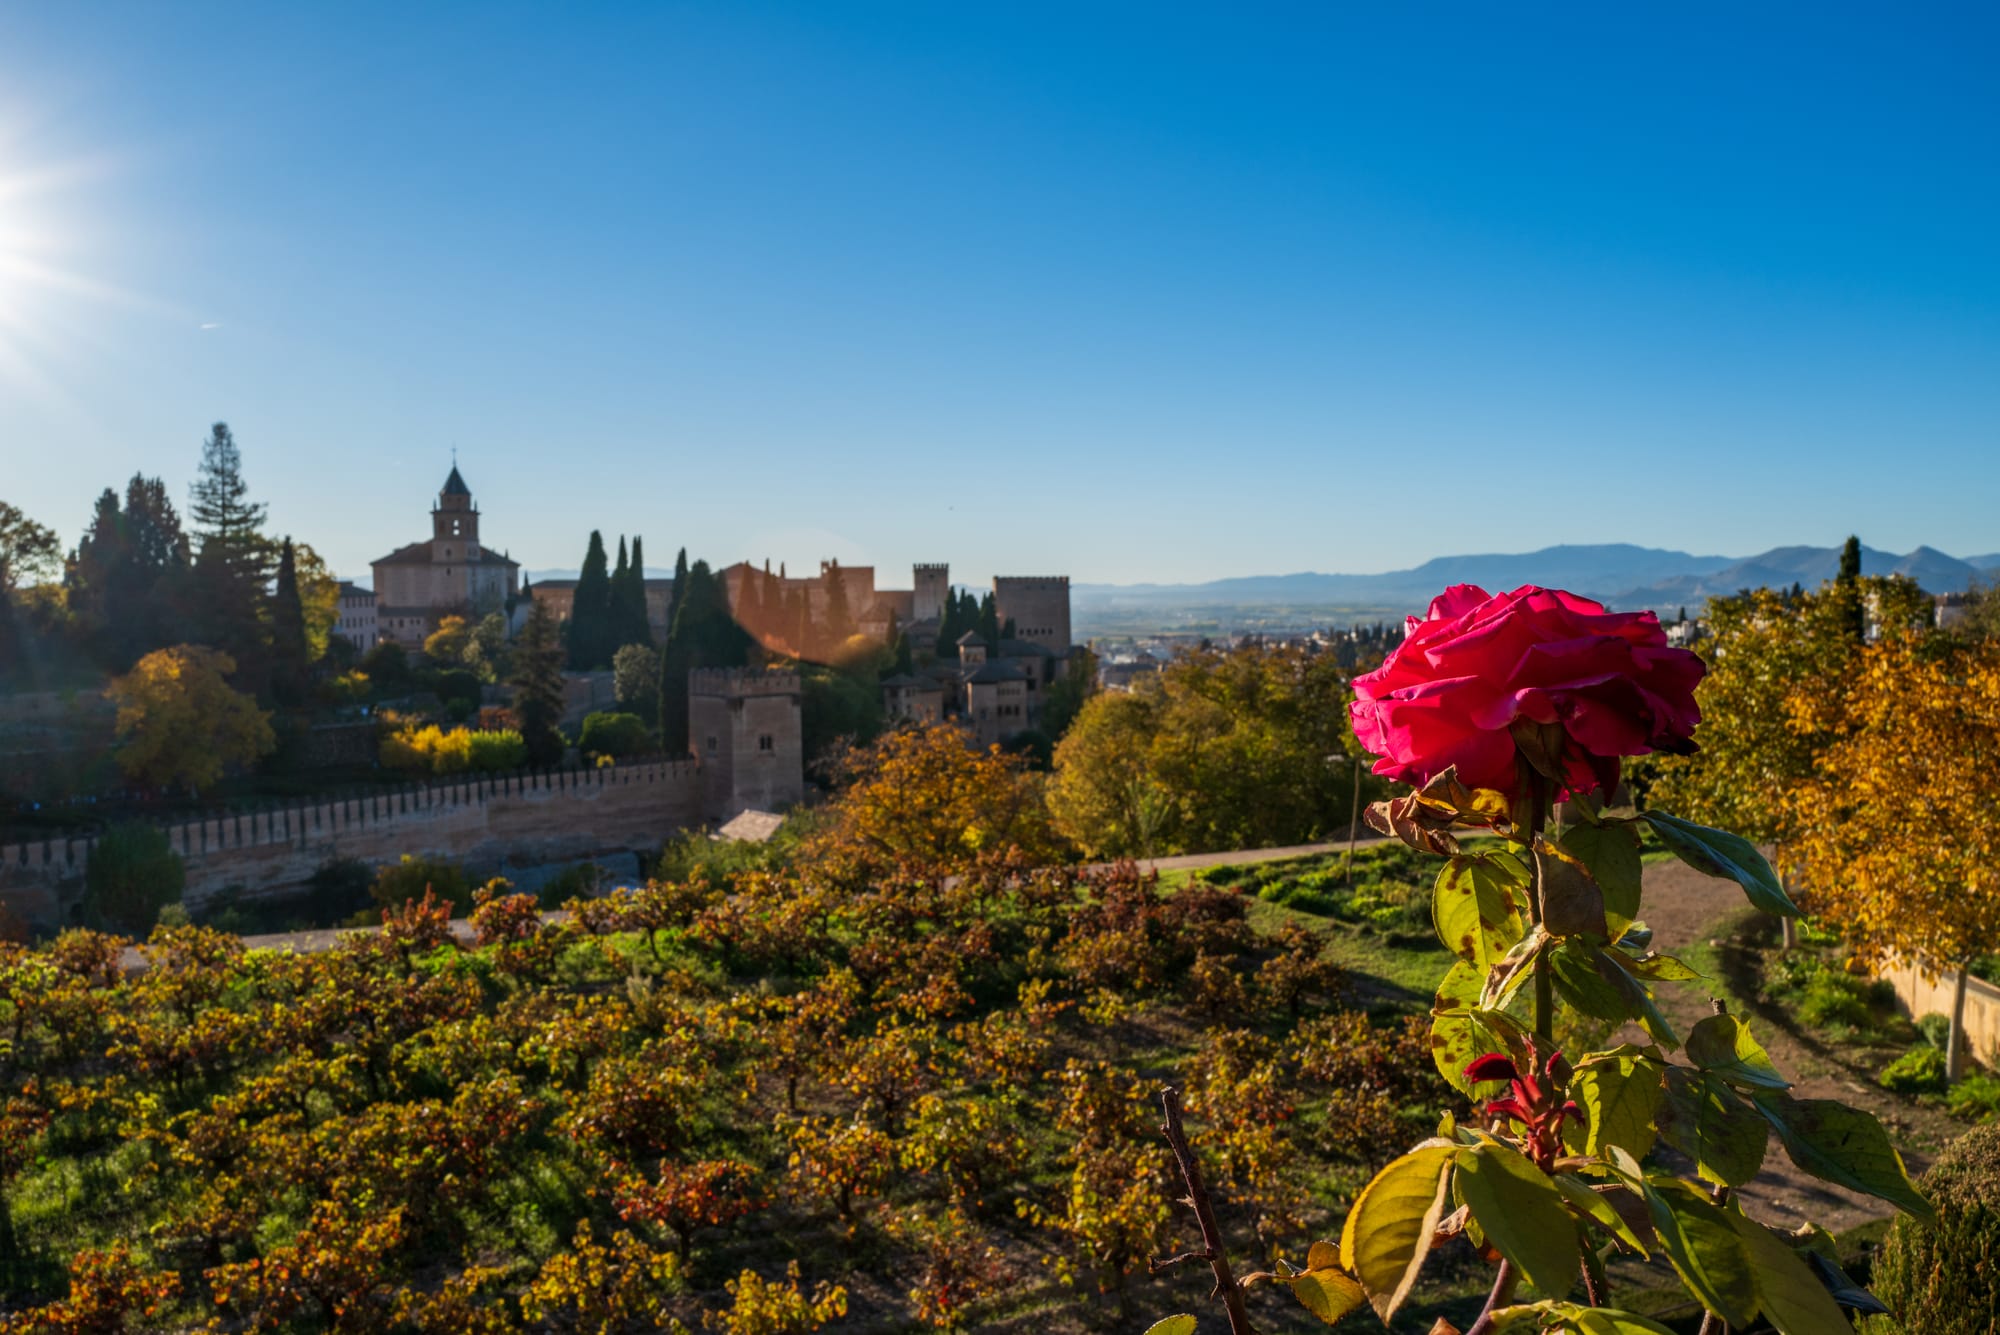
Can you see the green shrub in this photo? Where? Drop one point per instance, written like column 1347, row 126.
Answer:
column 1833, row 997
column 1918, row 1071
column 1975, row 1098
column 493, row 749
column 133, row 874
column 340, row 888
column 615, row 735
column 404, row 881
column 1935, row 1028
column 1944, row 1279
column 456, row 684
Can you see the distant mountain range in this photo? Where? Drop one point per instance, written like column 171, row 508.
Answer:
column 1618, row 574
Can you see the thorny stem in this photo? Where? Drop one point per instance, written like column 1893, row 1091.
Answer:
column 1226, row 1286
column 1503, row 1290
column 1593, row 1279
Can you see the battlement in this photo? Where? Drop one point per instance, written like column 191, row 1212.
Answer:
column 734, row 682
column 215, row 846
column 1028, row 582
column 935, row 568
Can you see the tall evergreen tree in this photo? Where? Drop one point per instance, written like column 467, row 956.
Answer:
column 989, row 622
column 290, row 656
column 628, row 603
column 704, row 635
column 950, row 627
column 538, row 685
column 232, row 566
column 589, row 631
column 1853, row 615
column 839, row 619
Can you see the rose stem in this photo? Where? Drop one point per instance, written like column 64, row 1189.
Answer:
column 1545, row 997
column 1197, row 1198
column 1503, row 1289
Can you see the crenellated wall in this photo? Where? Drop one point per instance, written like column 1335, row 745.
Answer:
column 490, row 822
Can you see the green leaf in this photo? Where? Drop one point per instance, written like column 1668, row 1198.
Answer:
column 1478, row 906
column 1183, row 1324
column 1611, row 852
column 1585, row 1320
column 1844, row 1145
column 1704, row 1250
column 1722, row 1044
column 1656, row 968
column 1388, row 1232
column 1522, row 1214
column 1706, row 1120
column 1572, row 902
column 1790, row 1295
column 1731, row 856
column 1597, row 1206
column 1619, row 1092
column 1589, row 979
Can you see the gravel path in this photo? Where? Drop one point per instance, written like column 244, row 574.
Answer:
column 1685, row 908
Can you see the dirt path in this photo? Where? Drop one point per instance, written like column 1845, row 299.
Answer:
column 1685, row 909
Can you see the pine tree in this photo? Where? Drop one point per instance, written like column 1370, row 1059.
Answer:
column 538, row 685
column 588, row 634
column 290, row 657
column 232, row 567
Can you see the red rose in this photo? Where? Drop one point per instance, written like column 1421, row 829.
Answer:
column 1476, row 665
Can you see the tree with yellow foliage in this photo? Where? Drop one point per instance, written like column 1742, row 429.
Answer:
column 180, row 721
column 447, row 643
column 922, row 800
column 1896, row 836
column 1770, row 704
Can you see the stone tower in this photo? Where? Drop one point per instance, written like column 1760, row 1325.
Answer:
column 455, row 524
column 744, row 726
column 933, row 585
column 1038, row 605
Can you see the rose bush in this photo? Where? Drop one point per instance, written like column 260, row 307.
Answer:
column 1493, row 707
column 1596, row 685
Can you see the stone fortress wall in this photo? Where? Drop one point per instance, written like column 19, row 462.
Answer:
column 490, row 822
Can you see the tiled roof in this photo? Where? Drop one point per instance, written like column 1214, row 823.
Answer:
column 997, row 670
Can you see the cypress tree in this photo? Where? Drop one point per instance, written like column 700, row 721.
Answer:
column 589, row 630
column 704, row 635
column 290, row 656
column 950, row 627
column 989, row 622
column 1853, row 616
column 629, row 603
column 839, row 620
column 538, row 685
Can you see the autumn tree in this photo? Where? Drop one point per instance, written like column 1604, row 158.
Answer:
column 1896, row 836
column 446, row 645
column 1238, row 749
column 1770, row 705
column 180, row 722
column 922, row 800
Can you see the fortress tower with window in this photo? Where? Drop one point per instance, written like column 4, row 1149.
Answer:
column 452, row 573
column 744, row 727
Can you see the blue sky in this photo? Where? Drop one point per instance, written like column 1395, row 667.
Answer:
column 1127, row 292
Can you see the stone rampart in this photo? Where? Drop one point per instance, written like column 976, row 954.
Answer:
column 490, row 822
